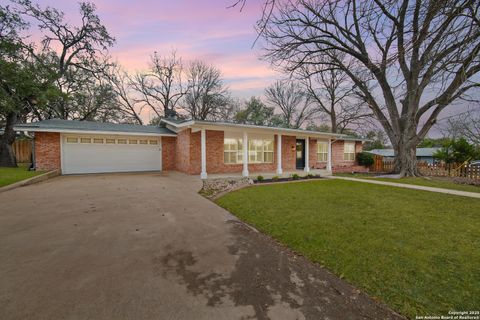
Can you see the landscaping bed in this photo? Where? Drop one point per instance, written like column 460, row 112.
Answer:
column 293, row 177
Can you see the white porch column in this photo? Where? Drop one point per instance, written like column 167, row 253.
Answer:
column 329, row 156
column 203, row 140
column 245, row 155
column 307, row 155
column 279, row 154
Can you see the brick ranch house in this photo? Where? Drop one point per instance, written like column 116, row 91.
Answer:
column 190, row 146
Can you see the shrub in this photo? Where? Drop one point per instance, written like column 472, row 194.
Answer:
column 275, row 178
column 295, row 176
column 260, row 178
column 310, row 176
column 365, row 159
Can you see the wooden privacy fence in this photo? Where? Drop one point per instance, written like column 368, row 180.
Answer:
column 381, row 165
column 23, row 150
column 449, row 170
column 438, row 169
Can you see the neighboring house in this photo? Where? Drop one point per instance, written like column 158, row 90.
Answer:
column 423, row 154
column 190, row 146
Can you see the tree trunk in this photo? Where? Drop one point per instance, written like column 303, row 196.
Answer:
column 333, row 122
column 7, row 157
column 405, row 162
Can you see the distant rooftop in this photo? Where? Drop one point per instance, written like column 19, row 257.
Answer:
column 75, row 125
column 421, row 152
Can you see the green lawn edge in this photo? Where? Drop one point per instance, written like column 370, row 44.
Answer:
column 416, row 251
column 12, row 175
column 435, row 182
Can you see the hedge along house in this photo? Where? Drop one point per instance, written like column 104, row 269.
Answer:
column 191, row 146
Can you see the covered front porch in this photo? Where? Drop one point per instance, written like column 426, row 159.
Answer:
column 290, row 154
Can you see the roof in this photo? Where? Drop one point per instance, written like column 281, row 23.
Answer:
column 421, row 152
column 181, row 123
column 59, row 125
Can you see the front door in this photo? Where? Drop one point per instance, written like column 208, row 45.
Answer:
column 300, row 154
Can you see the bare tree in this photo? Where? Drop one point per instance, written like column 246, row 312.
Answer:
column 466, row 125
column 228, row 111
column 334, row 94
column 161, row 88
column 420, row 56
column 292, row 101
column 206, row 94
column 121, row 83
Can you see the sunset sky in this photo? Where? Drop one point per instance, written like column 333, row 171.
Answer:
column 206, row 30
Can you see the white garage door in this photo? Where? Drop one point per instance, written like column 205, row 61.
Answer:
column 96, row 154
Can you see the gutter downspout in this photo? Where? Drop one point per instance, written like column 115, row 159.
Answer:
column 33, row 166
column 329, row 162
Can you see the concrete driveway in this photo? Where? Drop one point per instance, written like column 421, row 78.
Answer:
column 147, row 246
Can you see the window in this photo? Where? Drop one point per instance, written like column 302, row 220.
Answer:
column 110, row 141
column 97, row 140
column 268, row 151
column 322, row 151
column 349, row 151
column 143, row 141
column 153, row 142
column 122, row 141
column 260, row 151
column 132, row 141
column 85, row 140
column 232, row 150
column 72, row 140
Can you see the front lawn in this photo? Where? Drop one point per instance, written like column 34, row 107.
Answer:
column 436, row 182
column 12, row 175
column 417, row 251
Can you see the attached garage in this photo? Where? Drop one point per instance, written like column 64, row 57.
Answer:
column 77, row 147
column 107, row 153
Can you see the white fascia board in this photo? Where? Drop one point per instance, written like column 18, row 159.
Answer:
column 266, row 130
column 237, row 127
column 179, row 125
column 144, row 134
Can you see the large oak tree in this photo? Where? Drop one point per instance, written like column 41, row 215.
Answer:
column 409, row 59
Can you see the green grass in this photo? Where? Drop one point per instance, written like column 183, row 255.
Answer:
column 12, row 175
column 436, row 182
column 417, row 251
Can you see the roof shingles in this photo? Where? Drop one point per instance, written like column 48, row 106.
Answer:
column 74, row 125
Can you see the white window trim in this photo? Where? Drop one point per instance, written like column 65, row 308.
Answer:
column 345, row 153
column 238, row 152
column 263, row 151
column 322, row 153
column 104, row 138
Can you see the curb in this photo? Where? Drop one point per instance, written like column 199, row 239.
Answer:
column 32, row 180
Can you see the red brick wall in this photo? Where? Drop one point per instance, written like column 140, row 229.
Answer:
column 182, row 151
column 215, row 161
column 195, row 159
column 288, row 152
column 168, row 153
column 47, row 151
column 340, row 165
column 312, row 152
column 188, row 155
